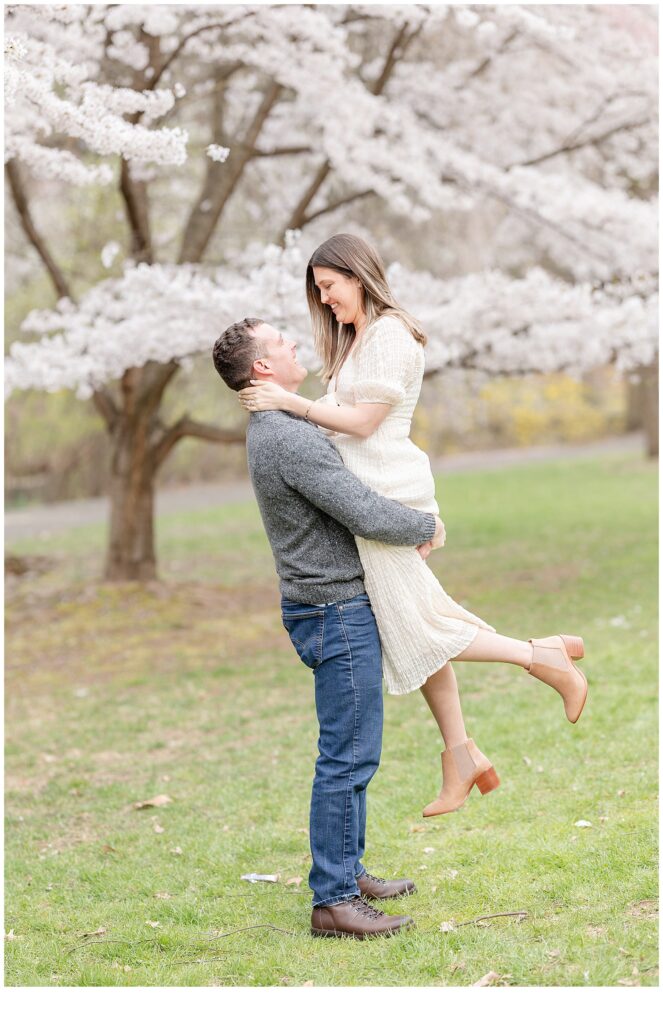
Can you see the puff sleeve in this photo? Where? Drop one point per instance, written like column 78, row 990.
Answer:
column 384, row 363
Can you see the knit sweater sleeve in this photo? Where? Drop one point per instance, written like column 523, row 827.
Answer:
column 311, row 465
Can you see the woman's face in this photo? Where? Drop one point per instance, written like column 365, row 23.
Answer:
column 342, row 293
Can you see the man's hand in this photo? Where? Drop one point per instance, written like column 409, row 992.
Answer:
column 440, row 534
column 438, row 540
column 425, row 549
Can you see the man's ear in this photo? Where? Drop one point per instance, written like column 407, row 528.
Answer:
column 262, row 367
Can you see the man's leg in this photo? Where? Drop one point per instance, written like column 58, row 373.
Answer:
column 361, row 833
column 348, row 695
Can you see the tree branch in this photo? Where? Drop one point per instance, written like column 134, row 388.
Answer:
column 134, row 194
column 487, row 61
column 299, row 216
column 22, row 208
column 568, row 148
column 397, row 49
column 106, row 407
column 222, row 179
column 336, row 204
column 180, row 46
column 187, row 427
column 256, row 154
column 156, row 378
column 102, row 398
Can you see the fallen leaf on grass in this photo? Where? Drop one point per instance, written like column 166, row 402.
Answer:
column 9, row 936
column 527, row 761
column 429, row 849
column 157, row 827
column 106, row 848
column 253, row 877
column 488, row 979
column 447, row 926
column 417, row 828
column 155, row 801
column 460, row 966
column 163, row 896
column 583, row 824
column 89, row 935
column 553, row 953
column 297, row 880
column 308, row 984
column 154, row 924
column 177, row 850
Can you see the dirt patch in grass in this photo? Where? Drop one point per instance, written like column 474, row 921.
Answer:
column 548, row 576
column 92, row 634
column 644, row 908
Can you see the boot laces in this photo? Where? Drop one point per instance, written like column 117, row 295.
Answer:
column 374, row 878
column 362, row 907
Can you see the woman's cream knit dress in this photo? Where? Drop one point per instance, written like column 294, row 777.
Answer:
column 420, row 626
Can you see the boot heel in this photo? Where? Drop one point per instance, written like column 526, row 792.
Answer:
column 488, row 781
column 575, row 647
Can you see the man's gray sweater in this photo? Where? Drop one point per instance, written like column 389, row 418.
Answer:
column 312, row 506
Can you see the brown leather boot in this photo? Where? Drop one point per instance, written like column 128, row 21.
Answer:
column 552, row 664
column 462, row 767
column 355, row 919
column 372, row 888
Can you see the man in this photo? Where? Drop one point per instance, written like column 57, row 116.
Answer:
column 312, row 507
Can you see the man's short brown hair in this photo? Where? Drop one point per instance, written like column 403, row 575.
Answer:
column 235, row 351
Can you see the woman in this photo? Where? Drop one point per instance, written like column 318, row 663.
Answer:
column 373, row 363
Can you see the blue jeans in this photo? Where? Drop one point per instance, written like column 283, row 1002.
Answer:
column 340, row 643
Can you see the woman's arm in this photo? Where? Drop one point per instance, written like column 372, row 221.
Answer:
column 359, row 420
column 356, row 420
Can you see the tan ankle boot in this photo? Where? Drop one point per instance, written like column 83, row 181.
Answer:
column 462, row 767
column 552, row 664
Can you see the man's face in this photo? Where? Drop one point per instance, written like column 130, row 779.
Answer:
column 279, row 360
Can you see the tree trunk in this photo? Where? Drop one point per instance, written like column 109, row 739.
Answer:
column 131, row 554
column 634, row 403
column 650, row 408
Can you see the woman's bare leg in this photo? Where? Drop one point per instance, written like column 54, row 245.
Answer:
column 462, row 761
column 488, row 646
column 441, row 694
column 441, row 689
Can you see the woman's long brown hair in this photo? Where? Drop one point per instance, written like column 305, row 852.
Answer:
column 353, row 257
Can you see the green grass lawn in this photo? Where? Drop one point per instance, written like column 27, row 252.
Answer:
column 189, row 688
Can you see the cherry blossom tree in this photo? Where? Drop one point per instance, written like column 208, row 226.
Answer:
column 539, row 121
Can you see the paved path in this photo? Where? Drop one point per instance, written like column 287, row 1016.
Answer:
column 47, row 519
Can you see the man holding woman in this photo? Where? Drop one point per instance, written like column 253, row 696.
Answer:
column 373, row 362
